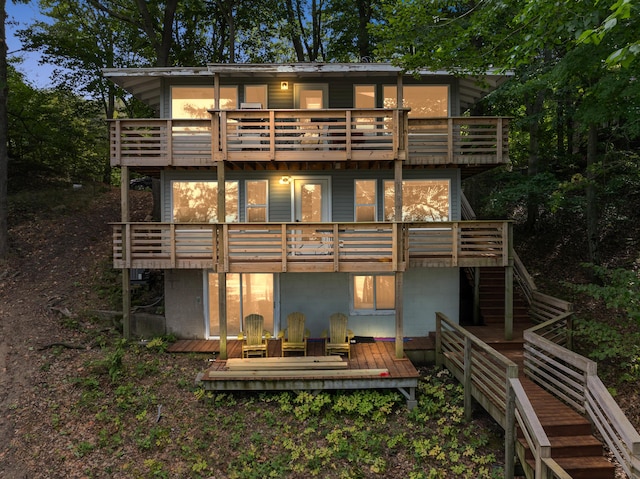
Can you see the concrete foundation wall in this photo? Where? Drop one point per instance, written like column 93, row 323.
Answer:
column 184, row 303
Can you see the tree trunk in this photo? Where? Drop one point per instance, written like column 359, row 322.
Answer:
column 4, row 158
column 534, row 111
column 592, row 205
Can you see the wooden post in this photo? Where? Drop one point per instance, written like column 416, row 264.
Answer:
column 222, row 313
column 399, row 275
column 476, row 296
column 439, row 358
column 510, row 425
column 508, row 287
column 222, row 275
column 467, row 379
column 399, row 315
column 126, row 274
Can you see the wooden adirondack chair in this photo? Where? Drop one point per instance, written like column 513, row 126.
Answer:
column 294, row 337
column 339, row 340
column 254, row 337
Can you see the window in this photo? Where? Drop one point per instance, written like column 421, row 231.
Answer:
column 365, row 200
column 425, row 101
column 195, row 101
column 422, row 200
column 256, row 94
column 246, row 294
column 256, row 209
column 197, row 201
column 365, row 96
column 373, row 293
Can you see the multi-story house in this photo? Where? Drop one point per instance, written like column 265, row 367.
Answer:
column 318, row 188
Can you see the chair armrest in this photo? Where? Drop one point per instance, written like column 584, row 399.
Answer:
column 324, row 333
column 266, row 334
column 281, row 334
column 350, row 334
column 307, row 334
column 240, row 336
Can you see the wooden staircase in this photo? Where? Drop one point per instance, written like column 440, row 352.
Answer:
column 573, row 445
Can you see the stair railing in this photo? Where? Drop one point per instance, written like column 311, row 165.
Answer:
column 574, row 379
column 484, row 374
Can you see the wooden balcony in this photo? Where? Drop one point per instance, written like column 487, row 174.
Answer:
column 310, row 247
column 309, row 136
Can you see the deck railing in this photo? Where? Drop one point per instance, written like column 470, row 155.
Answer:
column 573, row 378
column 485, row 374
column 308, row 135
column 294, row 247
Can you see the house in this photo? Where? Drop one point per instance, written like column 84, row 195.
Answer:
column 318, row 188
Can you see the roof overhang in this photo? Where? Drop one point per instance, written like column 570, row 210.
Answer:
column 146, row 83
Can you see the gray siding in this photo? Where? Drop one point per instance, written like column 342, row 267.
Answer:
column 342, row 184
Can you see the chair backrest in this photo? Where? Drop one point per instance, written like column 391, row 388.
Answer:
column 254, row 328
column 295, row 327
column 338, row 328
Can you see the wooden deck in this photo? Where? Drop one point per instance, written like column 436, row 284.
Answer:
column 373, row 365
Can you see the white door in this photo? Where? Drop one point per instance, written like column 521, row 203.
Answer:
column 311, row 200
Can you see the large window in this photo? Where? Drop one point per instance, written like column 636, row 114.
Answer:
column 246, row 294
column 365, row 96
column 422, row 200
column 256, row 94
column 365, row 200
column 373, row 293
column 195, row 101
column 197, row 201
column 425, row 101
column 257, row 194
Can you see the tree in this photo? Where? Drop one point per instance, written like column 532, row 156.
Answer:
column 4, row 158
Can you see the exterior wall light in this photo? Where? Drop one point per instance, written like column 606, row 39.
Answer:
column 284, row 85
column 285, row 180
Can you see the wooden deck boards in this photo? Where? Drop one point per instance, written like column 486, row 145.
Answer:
column 373, row 365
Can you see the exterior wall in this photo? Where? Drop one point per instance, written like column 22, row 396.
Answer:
column 184, row 303
column 342, row 185
column 340, row 90
column 426, row 291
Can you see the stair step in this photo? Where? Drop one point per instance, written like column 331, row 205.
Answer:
column 592, row 467
column 569, row 446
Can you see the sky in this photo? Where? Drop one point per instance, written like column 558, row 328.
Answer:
column 20, row 16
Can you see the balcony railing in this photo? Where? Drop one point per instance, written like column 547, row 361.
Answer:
column 309, row 135
column 312, row 247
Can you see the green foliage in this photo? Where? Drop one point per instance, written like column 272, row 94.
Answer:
column 53, row 134
column 614, row 340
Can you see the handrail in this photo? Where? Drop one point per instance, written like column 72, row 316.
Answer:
column 292, row 247
column 312, row 135
column 531, row 428
column 574, row 379
column 485, row 375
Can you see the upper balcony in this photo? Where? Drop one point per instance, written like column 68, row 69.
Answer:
column 332, row 135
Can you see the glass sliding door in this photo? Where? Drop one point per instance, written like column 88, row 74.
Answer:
column 247, row 293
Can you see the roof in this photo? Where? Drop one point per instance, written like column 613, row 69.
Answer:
column 145, row 83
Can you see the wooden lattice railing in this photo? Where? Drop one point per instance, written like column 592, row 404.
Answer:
column 309, row 135
column 280, row 247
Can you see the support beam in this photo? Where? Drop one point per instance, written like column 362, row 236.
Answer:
column 222, row 313
column 508, row 288
column 399, row 315
column 476, row 296
column 126, row 279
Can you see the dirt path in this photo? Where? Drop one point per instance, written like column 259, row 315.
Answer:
column 53, row 265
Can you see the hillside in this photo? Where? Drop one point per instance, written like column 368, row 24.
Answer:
column 74, row 403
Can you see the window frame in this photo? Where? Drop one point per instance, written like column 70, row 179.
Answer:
column 374, row 311
column 248, row 206
column 392, row 183
column 356, row 204
column 236, row 200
